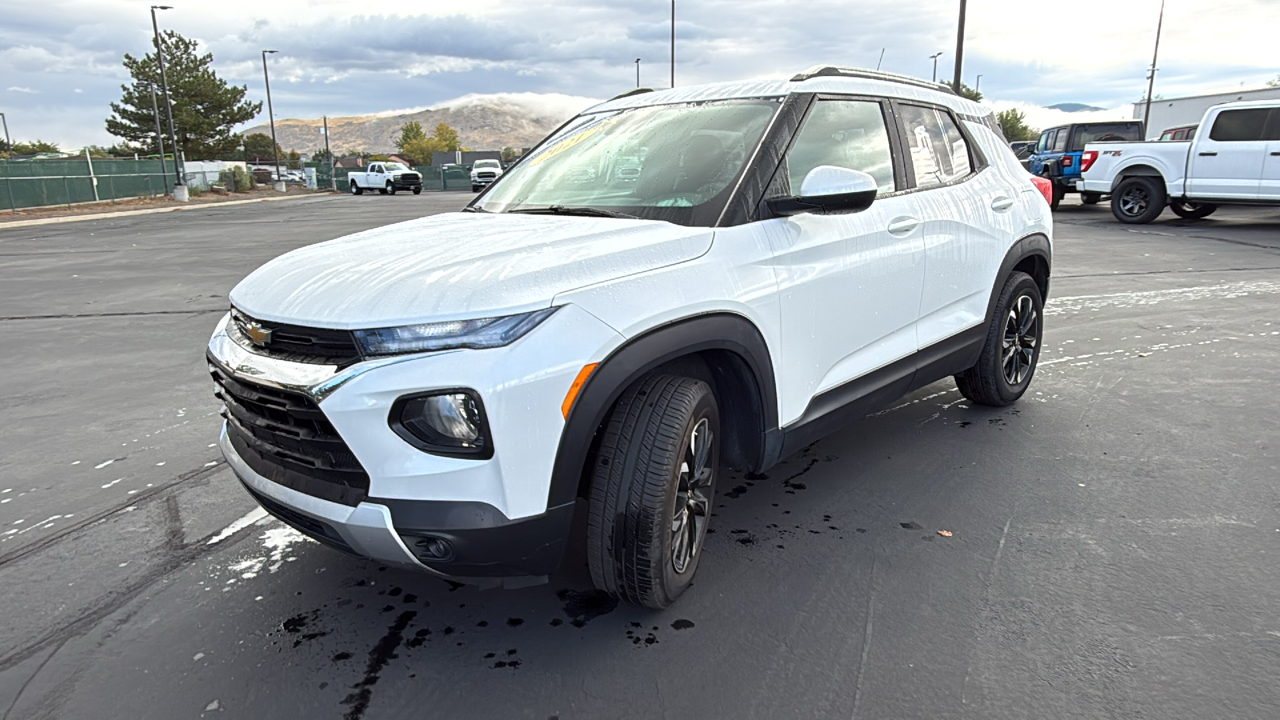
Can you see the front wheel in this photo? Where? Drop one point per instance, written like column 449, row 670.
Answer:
column 1012, row 348
column 417, row 191
column 475, row 188
column 651, row 490
column 391, row 188
column 1191, row 210
column 1138, row 200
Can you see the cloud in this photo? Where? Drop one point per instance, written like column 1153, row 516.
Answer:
column 27, row 90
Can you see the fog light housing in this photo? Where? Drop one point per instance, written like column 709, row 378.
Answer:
column 432, row 548
column 443, row 422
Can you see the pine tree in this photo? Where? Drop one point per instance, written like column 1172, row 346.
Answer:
column 205, row 107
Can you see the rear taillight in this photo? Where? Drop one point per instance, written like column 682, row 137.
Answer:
column 1088, row 159
column 1067, row 160
column 1044, row 186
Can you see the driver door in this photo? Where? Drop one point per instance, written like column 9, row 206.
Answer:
column 850, row 284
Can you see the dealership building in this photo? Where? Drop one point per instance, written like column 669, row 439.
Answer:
column 1179, row 112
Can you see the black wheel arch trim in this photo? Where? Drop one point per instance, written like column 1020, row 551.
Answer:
column 723, row 331
column 1032, row 246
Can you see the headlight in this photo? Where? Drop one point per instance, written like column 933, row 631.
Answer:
column 443, row 422
column 476, row 334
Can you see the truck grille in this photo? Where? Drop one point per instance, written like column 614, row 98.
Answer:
column 297, row 344
column 486, row 174
column 286, row 438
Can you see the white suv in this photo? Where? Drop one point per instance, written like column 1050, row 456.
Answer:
column 788, row 256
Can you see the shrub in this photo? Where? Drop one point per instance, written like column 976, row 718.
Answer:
column 235, row 179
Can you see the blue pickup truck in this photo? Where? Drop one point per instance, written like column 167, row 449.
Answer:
column 1057, row 154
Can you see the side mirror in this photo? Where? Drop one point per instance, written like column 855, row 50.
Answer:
column 828, row 188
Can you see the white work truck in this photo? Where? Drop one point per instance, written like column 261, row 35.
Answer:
column 385, row 177
column 1233, row 160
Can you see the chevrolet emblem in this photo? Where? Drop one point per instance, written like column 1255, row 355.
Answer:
column 257, row 334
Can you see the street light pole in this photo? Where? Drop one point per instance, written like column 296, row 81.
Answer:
column 934, row 57
column 978, row 86
column 275, row 148
column 1151, row 78
column 637, row 73
column 673, row 43
column 8, row 151
column 155, row 113
column 179, row 184
column 955, row 82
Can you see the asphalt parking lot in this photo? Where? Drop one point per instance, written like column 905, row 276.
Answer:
column 1114, row 535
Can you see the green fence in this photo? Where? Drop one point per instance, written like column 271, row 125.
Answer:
column 38, row 183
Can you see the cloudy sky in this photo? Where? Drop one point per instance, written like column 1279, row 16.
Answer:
column 60, row 59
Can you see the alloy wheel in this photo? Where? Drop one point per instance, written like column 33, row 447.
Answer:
column 1021, row 335
column 693, row 497
column 1134, row 202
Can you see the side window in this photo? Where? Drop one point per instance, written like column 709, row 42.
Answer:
column 1239, row 125
column 845, row 133
column 1060, row 142
column 1046, row 141
column 939, row 153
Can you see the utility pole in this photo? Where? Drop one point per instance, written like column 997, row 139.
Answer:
column 8, row 151
column 978, row 86
column 881, row 59
column 333, row 182
column 934, row 57
column 275, row 147
column 155, row 112
column 955, row 83
column 179, row 183
column 673, row 43
column 1151, row 77
column 637, row 73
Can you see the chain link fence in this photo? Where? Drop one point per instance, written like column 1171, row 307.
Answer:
column 40, row 183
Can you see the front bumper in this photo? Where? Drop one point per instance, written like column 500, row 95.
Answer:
column 492, row 514
column 407, row 183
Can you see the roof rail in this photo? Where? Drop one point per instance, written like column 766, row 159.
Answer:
column 629, row 93
column 833, row 71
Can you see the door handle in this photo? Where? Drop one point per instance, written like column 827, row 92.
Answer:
column 1208, row 154
column 1275, row 154
column 903, row 225
column 1001, row 204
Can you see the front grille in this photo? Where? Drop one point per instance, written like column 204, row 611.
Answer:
column 286, row 438
column 297, row 344
column 486, row 175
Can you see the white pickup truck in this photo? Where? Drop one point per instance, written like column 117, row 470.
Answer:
column 1233, row 160
column 385, row 177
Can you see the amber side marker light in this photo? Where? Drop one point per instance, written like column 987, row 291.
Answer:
column 578, row 382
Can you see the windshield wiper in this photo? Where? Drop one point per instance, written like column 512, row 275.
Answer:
column 566, row 210
column 474, row 209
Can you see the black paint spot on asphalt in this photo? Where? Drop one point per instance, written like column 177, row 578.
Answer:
column 556, row 622
column 512, row 651
column 995, row 421
column 361, row 583
column 711, row 531
column 827, row 518
column 381, row 654
column 488, row 656
column 861, row 530
column 324, row 685
column 737, row 492
column 815, row 532
column 454, row 585
column 583, row 606
column 308, row 638
column 636, row 624
column 299, row 621
column 515, row 622
column 798, row 486
column 410, row 598
column 965, row 423
column 389, row 608
column 910, row 526
column 395, row 592
column 746, row 540
column 448, row 630
column 832, row 527
column 483, row 623
column 513, row 664
column 738, row 532
column 682, row 624
column 342, row 656
column 756, row 476
column 782, row 547
column 419, row 638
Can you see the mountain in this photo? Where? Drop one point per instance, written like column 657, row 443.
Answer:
column 483, row 122
column 1075, row 107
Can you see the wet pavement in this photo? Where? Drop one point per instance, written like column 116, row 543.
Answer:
column 1104, row 548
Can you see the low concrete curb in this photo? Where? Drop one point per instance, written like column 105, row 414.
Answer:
column 151, row 211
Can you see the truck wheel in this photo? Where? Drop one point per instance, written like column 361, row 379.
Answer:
column 417, row 190
column 1090, row 198
column 475, row 188
column 356, row 189
column 651, row 490
column 1191, row 210
column 1058, row 193
column 1138, row 200
column 382, row 191
column 391, row 188
column 1012, row 349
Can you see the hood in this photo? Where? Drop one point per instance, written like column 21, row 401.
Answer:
column 457, row 266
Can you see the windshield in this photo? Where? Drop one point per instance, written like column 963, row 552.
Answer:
column 487, row 164
column 396, row 166
column 677, row 163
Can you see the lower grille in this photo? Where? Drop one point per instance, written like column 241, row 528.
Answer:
column 319, row 530
column 286, row 438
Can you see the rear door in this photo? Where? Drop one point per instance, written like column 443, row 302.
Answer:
column 849, row 283
column 1269, row 188
column 1227, row 161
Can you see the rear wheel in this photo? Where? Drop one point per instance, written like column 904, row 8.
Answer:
column 1012, row 348
column 356, row 189
column 651, row 490
column 1191, row 210
column 1058, row 193
column 1090, row 198
column 1138, row 200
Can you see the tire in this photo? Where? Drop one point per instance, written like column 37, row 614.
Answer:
column 356, row 189
column 659, row 426
column 1138, row 200
column 1090, row 198
column 475, row 188
column 998, row 378
column 1191, row 210
column 417, row 190
column 382, row 191
column 1058, row 193
column 391, row 188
